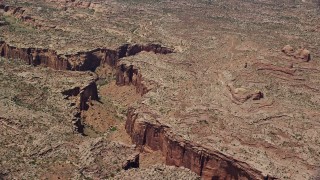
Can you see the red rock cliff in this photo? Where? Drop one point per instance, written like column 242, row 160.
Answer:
column 209, row 164
column 81, row 61
column 127, row 75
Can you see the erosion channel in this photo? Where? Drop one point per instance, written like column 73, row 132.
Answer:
column 176, row 151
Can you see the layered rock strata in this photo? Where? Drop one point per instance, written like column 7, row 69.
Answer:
column 127, row 75
column 84, row 95
column 81, row 61
column 207, row 163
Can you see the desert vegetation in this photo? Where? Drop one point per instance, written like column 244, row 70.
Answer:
column 163, row 89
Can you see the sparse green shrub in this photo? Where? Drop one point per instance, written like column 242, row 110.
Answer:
column 112, row 129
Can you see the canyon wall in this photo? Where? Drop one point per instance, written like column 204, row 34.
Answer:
column 127, row 75
column 34, row 56
column 178, row 152
column 208, row 163
column 81, row 61
column 88, row 93
column 85, row 61
column 84, row 96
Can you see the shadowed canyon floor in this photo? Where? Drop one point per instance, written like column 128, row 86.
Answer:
column 114, row 87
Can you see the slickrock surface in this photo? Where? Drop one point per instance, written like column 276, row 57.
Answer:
column 228, row 89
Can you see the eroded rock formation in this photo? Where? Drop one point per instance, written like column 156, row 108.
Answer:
column 81, row 61
column 178, row 152
column 23, row 15
column 209, row 164
column 83, row 96
column 127, row 75
column 34, row 56
column 241, row 95
column 85, row 61
column 301, row 53
column 287, row 49
column 260, row 133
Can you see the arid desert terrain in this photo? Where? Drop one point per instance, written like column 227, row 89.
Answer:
column 160, row 89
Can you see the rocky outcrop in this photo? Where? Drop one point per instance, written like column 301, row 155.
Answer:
column 19, row 13
column 208, row 163
column 22, row 14
column 130, row 50
column 71, row 92
column 81, row 61
column 301, row 53
column 127, row 75
column 34, row 56
column 287, row 49
column 84, row 61
column 11, row 10
column 88, row 93
column 132, row 162
column 85, row 95
column 241, row 95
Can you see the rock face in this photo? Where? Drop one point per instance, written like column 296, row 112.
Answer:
column 85, row 61
column 178, row 152
column 129, row 50
column 127, row 75
column 34, row 56
column 83, row 95
column 81, row 61
column 150, row 129
column 90, row 92
column 86, row 94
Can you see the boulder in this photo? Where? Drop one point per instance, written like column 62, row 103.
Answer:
column 303, row 54
column 287, row 49
column 241, row 95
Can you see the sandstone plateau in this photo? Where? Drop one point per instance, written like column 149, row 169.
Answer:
column 159, row 89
